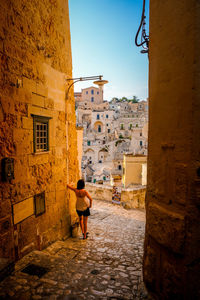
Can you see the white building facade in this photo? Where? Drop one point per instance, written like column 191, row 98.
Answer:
column 111, row 129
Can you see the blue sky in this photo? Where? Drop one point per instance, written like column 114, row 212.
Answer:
column 102, row 37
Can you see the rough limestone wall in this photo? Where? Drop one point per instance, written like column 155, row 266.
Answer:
column 35, row 51
column 99, row 192
column 130, row 198
column 133, row 198
column 172, row 243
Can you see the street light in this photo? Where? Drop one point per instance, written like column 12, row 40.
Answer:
column 144, row 42
column 98, row 81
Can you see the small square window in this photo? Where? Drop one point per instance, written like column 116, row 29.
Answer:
column 39, row 202
column 40, row 133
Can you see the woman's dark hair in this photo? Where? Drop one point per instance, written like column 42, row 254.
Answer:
column 80, row 184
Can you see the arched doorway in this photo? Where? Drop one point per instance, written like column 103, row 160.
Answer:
column 98, row 127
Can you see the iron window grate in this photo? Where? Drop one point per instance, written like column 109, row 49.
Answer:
column 41, row 136
column 40, row 133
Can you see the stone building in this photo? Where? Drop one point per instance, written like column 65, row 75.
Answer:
column 111, row 129
column 134, row 170
column 38, row 150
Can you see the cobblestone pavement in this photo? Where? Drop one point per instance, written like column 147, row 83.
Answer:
column 108, row 265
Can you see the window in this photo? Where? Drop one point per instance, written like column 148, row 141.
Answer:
column 99, row 128
column 121, row 126
column 39, row 203
column 119, row 167
column 108, row 130
column 86, row 92
column 136, row 125
column 140, row 133
column 104, row 177
column 130, row 126
column 92, row 99
column 92, row 92
column 98, row 117
column 106, row 116
column 97, row 93
column 107, row 124
column 140, row 143
column 40, row 133
column 88, row 143
column 100, row 161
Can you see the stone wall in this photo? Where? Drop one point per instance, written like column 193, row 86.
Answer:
column 172, row 243
column 130, row 198
column 35, row 55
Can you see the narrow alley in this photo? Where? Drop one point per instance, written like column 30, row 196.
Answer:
column 108, row 265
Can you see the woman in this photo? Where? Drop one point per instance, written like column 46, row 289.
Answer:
column 82, row 205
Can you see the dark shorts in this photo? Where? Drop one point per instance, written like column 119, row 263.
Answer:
column 84, row 213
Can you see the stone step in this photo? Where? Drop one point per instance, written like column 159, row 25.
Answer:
column 6, row 267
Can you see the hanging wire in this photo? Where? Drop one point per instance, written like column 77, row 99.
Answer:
column 144, row 42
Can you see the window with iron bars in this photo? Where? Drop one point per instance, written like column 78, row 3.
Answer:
column 40, row 133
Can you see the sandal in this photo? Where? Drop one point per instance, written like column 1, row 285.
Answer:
column 84, row 238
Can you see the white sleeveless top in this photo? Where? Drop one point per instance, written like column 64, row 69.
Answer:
column 82, row 203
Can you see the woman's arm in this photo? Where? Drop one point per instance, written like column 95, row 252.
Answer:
column 89, row 197
column 71, row 187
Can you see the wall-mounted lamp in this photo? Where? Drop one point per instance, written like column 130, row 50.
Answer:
column 98, row 80
column 144, row 37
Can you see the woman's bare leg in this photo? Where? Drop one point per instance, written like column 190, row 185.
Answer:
column 85, row 219
column 81, row 224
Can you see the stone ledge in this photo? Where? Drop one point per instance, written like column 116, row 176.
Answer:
column 130, row 198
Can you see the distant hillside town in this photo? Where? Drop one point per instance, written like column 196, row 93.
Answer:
column 112, row 131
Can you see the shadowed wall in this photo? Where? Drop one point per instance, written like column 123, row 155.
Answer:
column 172, row 243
